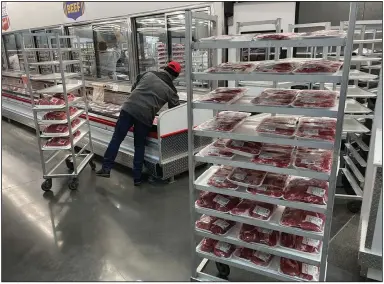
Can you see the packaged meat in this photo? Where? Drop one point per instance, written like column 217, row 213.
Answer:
column 282, row 66
column 262, row 210
column 319, row 161
column 316, row 128
column 225, row 203
column 306, row 220
column 246, row 177
column 229, row 67
column 277, row 126
column 318, row 66
column 206, row 200
column 306, row 190
column 221, row 226
column 277, row 147
column 274, row 158
column 220, row 143
column 223, row 249
column 254, row 256
column 273, row 185
column 213, row 151
column 244, row 253
column 242, row 209
column 276, row 36
column 207, row 245
column 60, row 141
column 248, row 233
column 224, row 121
column 61, row 96
column 60, row 128
column 205, row 222
column 275, row 97
column 219, row 179
column 300, row 243
column 315, row 99
column 244, row 148
column 59, row 115
column 253, row 234
column 224, row 95
column 57, row 99
column 299, row 269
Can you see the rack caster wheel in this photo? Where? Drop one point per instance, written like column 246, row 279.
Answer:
column 93, row 165
column 354, row 206
column 223, row 269
column 46, row 185
column 73, row 184
column 69, row 164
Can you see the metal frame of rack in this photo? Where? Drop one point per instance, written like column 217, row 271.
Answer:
column 75, row 162
column 200, row 183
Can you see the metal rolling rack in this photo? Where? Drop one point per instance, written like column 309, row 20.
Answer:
column 201, row 182
column 75, row 162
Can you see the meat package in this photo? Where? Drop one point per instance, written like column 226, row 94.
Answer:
column 300, row 243
column 60, row 141
column 273, row 185
column 254, row 209
column 224, row 121
column 220, row 143
column 59, row 115
column 229, row 67
column 254, row 256
column 224, row 95
column 223, row 249
column 274, row 158
column 319, row 161
column 299, row 269
column 318, row 66
column 323, row 34
column 214, row 151
column 205, row 222
column 246, row 177
column 219, row 179
column 221, row 226
column 253, row 234
column 219, row 37
column 275, row 97
column 306, row 190
column 244, row 148
column 57, row 99
column 60, row 128
column 306, row 220
column 223, row 203
column 315, row 99
column 283, row 126
column 275, row 36
column 319, row 128
column 282, row 66
column 207, row 245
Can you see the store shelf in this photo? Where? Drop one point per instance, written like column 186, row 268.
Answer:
column 359, row 58
column 56, row 107
column 359, row 142
column 374, row 67
column 55, row 62
column 273, row 223
column 356, row 155
column 354, row 169
column 351, row 125
column 75, row 141
column 65, row 134
column 359, row 75
column 356, row 188
column 232, row 238
column 59, row 89
column 50, row 49
column 74, row 116
column 358, row 41
column 353, row 91
column 352, row 106
column 201, row 184
column 54, row 76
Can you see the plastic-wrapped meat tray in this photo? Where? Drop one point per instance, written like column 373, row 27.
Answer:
column 306, row 190
column 205, row 222
column 55, row 100
column 254, row 256
column 219, row 202
column 244, row 148
column 300, row 243
column 220, row 143
column 221, row 226
column 60, row 128
column 59, row 115
column 219, row 179
column 224, row 121
column 239, row 67
column 315, row 99
column 305, row 220
column 281, row 66
column 275, row 36
column 246, row 177
column 274, row 158
column 299, row 269
column 254, row 209
column 273, row 185
column 319, row 161
column 223, row 249
column 318, row 66
column 221, row 152
column 316, row 128
column 275, row 97
column 224, row 95
column 277, row 126
column 60, row 141
column 277, row 147
column 207, row 245
column 253, row 234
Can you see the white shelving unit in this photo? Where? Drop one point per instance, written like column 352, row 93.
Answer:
column 241, row 133
column 75, row 161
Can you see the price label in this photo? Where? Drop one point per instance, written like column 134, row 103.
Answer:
column 314, row 220
column 237, row 143
column 270, row 129
column 311, row 132
column 309, row 269
column 265, row 212
column 240, row 176
column 221, row 223
column 261, row 255
column 307, row 161
column 265, row 231
column 311, row 242
column 206, row 219
column 219, row 179
column 115, row 87
column 223, row 246
column 266, row 156
column 221, row 200
column 317, row 191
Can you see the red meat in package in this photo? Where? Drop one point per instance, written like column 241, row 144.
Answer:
column 224, row 95
column 225, row 203
column 306, row 220
column 276, row 66
column 256, row 257
column 255, row 209
column 276, row 36
column 206, row 199
column 220, row 143
column 307, row 190
column 57, row 99
column 205, row 222
column 247, row 177
column 221, row 226
column 317, row 128
column 211, row 150
column 274, row 158
column 224, row 121
column 319, row 66
column 277, row 125
column 59, row 115
column 314, row 160
column 300, row 243
column 207, row 245
column 60, row 141
column 240, row 67
column 223, row 249
column 60, row 128
column 298, row 269
column 242, row 209
column 245, row 148
column 315, row 99
column 219, row 179
column 275, row 97
column 253, row 234
column 273, row 185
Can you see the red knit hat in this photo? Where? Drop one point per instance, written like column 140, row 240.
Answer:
column 175, row 66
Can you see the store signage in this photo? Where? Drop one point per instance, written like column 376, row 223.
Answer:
column 5, row 23
column 73, row 9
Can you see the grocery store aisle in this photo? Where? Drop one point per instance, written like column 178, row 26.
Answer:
column 109, row 230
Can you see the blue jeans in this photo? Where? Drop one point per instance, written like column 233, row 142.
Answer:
column 124, row 123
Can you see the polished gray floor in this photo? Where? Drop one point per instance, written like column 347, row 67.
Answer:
column 109, row 230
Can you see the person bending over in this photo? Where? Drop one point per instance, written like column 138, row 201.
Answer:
column 151, row 91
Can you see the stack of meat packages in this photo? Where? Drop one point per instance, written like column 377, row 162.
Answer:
column 224, row 121
column 178, row 51
column 162, row 56
column 55, row 100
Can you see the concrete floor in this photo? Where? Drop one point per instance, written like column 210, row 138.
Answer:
column 109, row 230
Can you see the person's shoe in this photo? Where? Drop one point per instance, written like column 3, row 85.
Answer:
column 103, row 173
column 137, row 182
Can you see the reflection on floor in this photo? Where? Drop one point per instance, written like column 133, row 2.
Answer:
column 109, row 230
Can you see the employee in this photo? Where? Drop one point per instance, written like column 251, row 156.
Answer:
column 151, row 91
column 109, row 54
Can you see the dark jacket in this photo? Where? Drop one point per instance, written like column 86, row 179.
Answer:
column 151, row 91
